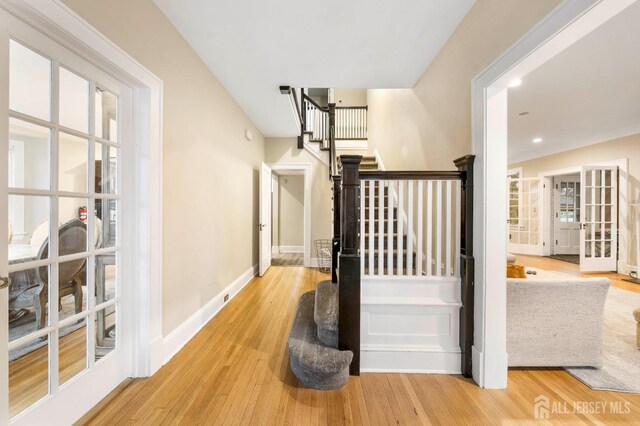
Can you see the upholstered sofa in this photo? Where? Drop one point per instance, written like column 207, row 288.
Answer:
column 555, row 321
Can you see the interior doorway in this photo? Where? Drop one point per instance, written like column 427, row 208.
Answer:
column 565, row 215
column 287, row 219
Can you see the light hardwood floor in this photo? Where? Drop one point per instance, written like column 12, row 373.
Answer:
column 549, row 264
column 236, row 371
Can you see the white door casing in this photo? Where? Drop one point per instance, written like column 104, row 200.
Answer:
column 566, row 214
column 264, row 227
column 599, row 221
column 143, row 113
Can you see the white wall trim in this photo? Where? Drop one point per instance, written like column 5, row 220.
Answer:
column 316, row 153
column 355, row 145
column 175, row 341
column 432, row 360
column 566, row 24
column 291, row 249
column 282, row 169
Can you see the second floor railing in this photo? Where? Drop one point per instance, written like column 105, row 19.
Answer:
column 351, row 123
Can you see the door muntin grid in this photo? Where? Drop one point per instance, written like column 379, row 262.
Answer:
column 97, row 190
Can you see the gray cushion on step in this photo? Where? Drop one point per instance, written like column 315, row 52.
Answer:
column 305, row 348
column 326, row 306
column 320, row 381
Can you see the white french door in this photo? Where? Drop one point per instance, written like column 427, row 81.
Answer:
column 599, row 222
column 264, row 227
column 524, row 204
column 567, row 214
column 66, row 144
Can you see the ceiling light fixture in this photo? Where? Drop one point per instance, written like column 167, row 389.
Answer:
column 515, row 82
column 537, row 140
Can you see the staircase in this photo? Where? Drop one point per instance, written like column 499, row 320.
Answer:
column 313, row 340
column 403, row 241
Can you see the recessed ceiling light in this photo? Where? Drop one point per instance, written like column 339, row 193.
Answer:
column 524, row 113
column 515, row 82
column 537, row 140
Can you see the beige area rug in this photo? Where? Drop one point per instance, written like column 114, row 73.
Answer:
column 621, row 369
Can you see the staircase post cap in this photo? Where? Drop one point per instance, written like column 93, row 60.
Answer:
column 350, row 159
column 464, row 160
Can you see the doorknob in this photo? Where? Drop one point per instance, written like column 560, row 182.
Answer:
column 4, row 282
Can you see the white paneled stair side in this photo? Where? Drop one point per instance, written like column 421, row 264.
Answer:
column 410, row 276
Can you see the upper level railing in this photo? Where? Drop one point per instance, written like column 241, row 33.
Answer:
column 351, row 123
column 316, row 119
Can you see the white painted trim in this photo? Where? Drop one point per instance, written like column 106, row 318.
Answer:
column 386, row 359
column 566, row 24
column 291, row 249
column 305, row 168
column 355, row 145
column 275, row 250
column 379, row 159
column 175, row 341
column 316, row 153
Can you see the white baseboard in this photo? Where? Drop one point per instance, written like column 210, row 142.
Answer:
column 275, row 250
column 174, row 341
column 291, row 249
column 392, row 360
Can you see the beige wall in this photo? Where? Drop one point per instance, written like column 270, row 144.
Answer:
column 291, row 210
column 430, row 125
column 285, row 151
column 210, row 183
column 350, row 97
column 617, row 149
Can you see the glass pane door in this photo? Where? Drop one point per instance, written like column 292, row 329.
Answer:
column 62, row 241
column 599, row 226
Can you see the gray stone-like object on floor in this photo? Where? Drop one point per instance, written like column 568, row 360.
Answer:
column 326, row 313
column 316, row 365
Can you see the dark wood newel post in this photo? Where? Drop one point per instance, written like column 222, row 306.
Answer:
column 349, row 262
column 335, row 243
column 467, row 266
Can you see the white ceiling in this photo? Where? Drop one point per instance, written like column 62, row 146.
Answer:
column 587, row 94
column 254, row 46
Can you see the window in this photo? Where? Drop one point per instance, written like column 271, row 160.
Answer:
column 569, row 202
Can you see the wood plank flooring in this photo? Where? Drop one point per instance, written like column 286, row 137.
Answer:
column 549, row 264
column 287, row 259
column 236, row 371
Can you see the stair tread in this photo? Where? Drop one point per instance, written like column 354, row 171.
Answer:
column 326, row 306
column 305, row 347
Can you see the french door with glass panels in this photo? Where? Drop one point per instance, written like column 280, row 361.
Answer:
column 63, row 150
column 599, row 221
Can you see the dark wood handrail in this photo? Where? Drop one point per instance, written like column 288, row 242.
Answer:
column 314, row 103
column 298, row 109
column 413, row 175
column 352, row 107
